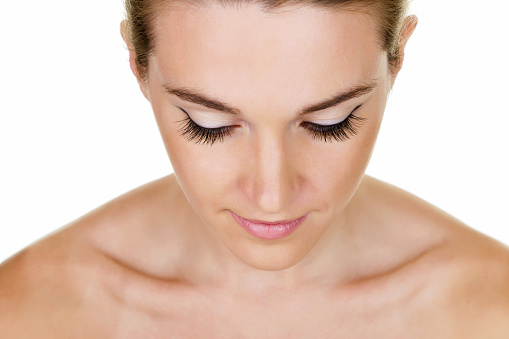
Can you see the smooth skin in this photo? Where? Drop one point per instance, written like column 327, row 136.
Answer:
column 167, row 260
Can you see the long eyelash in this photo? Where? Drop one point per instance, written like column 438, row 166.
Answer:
column 337, row 132
column 202, row 135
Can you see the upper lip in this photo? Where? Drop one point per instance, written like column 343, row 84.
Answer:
column 256, row 221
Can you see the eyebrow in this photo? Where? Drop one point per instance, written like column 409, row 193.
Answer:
column 203, row 100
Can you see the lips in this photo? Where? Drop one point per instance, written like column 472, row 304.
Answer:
column 268, row 230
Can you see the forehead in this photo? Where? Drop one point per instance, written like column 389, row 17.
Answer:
column 231, row 50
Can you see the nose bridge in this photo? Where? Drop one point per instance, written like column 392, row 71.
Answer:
column 273, row 179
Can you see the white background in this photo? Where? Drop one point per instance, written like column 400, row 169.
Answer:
column 75, row 132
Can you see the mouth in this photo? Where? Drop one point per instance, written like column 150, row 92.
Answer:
column 269, row 230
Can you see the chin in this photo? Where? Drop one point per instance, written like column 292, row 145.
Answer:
column 270, row 256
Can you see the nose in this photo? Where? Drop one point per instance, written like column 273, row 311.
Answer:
column 273, row 179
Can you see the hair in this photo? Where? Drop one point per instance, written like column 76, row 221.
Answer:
column 140, row 15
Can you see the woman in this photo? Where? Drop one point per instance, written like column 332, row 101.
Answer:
column 269, row 228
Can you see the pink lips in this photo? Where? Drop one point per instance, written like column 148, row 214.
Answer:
column 268, row 230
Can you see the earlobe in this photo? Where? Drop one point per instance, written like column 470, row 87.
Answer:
column 132, row 58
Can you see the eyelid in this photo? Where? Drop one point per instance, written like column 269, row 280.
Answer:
column 309, row 122
column 202, row 135
column 217, row 124
column 337, row 132
column 332, row 121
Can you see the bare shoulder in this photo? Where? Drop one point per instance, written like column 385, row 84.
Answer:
column 55, row 286
column 463, row 276
column 467, row 287
column 41, row 286
column 475, row 284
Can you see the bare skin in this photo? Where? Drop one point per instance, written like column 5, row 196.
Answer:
column 167, row 260
column 104, row 276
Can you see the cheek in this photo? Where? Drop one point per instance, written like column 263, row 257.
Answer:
column 202, row 171
column 335, row 169
column 335, row 172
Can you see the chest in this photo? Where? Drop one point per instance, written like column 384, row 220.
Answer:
column 201, row 316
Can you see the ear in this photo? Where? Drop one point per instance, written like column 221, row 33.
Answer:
column 407, row 30
column 132, row 59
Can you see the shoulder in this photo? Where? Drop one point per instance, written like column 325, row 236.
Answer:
column 58, row 283
column 43, row 285
column 463, row 275
column 467, row 288
column 405, row 213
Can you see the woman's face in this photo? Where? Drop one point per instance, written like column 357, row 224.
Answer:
column 287, row 150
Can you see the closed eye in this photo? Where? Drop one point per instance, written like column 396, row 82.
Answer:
column 341, row 131
column 203, row 135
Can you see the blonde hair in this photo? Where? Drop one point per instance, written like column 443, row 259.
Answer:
column 140, row 16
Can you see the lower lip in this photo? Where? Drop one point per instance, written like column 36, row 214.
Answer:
column 269, row 231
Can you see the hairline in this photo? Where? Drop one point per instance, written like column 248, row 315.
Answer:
column 360, row 6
